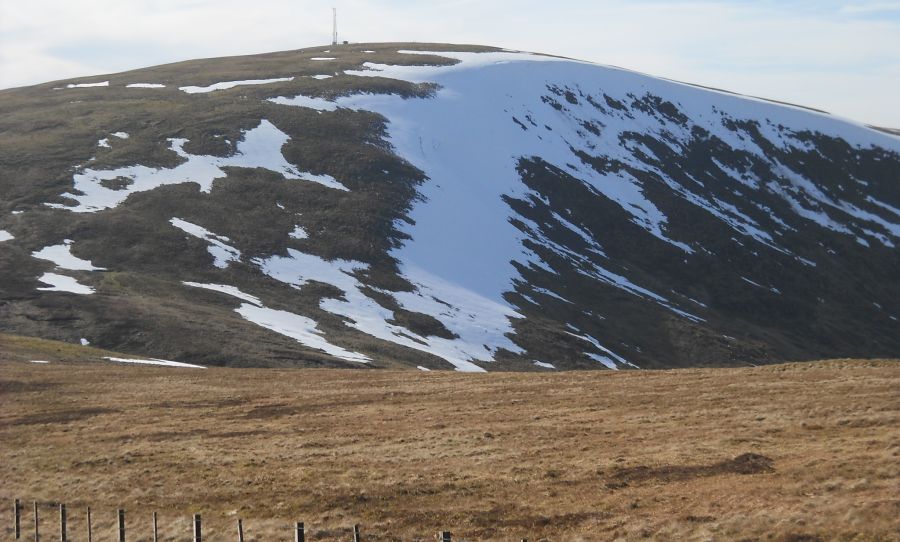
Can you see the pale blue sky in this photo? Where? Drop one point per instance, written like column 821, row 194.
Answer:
column 841, row 56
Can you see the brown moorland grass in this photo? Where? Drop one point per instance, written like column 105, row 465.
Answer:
column 790, row 452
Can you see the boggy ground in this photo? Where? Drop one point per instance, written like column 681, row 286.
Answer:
column 791, row 452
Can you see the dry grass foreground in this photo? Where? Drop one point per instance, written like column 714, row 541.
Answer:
column 792, row 452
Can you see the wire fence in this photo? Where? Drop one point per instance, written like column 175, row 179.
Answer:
column 54, row 521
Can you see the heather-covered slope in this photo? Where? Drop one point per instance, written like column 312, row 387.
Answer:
column 382, row 205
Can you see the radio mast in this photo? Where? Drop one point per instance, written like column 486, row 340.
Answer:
column 334, row 40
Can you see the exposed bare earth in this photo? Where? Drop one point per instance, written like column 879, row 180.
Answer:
column 791, row 452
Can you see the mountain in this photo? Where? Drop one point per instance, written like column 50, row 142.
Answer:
column 442, row 207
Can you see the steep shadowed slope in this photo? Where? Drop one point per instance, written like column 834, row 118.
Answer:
column 443, row 207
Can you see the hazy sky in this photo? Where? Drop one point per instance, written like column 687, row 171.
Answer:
column 841, row 56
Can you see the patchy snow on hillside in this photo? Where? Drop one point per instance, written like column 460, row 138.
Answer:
column 5, row 236
column 145, row 85
column 300, row 328
column 63, row 283
column 222, row 253
column 226, row 289
column 259, row 148
column 62, row 256
column 105, row 141
column 609, row 131
column 225, row 85
column 495, row 109
column 480, row 324
column 586, row 267
column 608, row 358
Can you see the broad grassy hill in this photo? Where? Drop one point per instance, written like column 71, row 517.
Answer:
column 785, row 452
column 445, row 207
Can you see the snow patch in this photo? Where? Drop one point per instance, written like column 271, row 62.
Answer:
column 300, row 328
column 480, row 324
column 319, row 104
column 162, row 362
column 85, row 342
column 544, row 365
column 259, row 148
column 145, row 85
column 610, row 358
column 606, row 361
column 226, row 289
column 63, row 283
column 105, row 141
column 299, row 233
column 549, row 293
column 87, row 85
column 5, row 236
column 62, row 256
column 222, row 253
column 225, row 85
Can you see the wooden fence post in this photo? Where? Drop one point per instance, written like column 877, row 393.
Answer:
column 62, row 523
column 198, row 535
column 37, row 536
column 121, row 525
column 155, row 530
column 17, row 522
column 240, row 530
column 445, row 536
column 356, row 537
column 89, row 531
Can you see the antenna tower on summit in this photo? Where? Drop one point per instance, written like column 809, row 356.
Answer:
column 334, row 40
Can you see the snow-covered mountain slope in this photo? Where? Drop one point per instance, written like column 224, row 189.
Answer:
column 444, row 207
